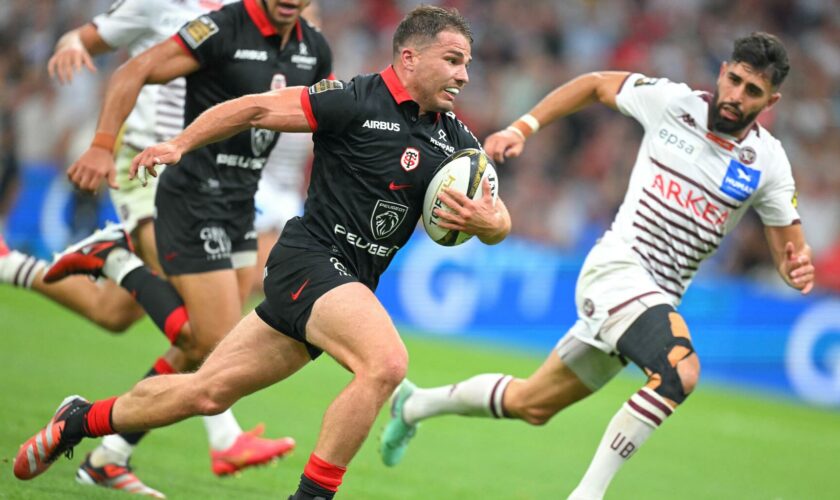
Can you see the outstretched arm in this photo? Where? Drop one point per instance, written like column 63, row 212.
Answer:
column 792, row 255
column 161, row 63
column 74, row 50
column 276, row 110
column 564, row 100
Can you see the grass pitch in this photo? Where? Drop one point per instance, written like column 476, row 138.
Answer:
column 720, row 445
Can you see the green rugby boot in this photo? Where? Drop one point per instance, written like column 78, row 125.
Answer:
column 396, row 435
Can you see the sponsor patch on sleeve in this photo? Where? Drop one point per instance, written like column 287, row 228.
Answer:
column 198, row 31
column 325, row 85
column 795, row 200
column 740, row 181
column 645, row 81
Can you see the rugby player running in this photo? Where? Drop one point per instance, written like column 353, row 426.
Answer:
column 158, row 111
column 378, row 140
column 703, row 162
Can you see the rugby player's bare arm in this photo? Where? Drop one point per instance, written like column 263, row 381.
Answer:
column 601, row 86
column 74, row 51
column 792, row 255
column 278, row 110
column 160, row 64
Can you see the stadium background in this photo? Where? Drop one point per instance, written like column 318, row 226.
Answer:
column 752, row 333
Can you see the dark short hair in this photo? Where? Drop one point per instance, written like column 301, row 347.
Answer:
column 424, row 23
column 763, row 52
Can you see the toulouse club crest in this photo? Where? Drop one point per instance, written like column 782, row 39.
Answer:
column 410, row 159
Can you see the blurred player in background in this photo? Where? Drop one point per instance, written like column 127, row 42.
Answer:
column 322, row 274
column 703, row 162
column 279, row 195
column 280, row 191
column 157, row 115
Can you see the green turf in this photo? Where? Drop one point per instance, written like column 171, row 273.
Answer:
column 722, row 444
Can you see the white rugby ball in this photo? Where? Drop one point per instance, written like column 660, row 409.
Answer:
column 462, row 171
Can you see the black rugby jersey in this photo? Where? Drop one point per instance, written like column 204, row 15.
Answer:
column 239, row 53
column 374, row 158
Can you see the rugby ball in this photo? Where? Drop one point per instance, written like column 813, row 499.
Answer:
column 463, row 171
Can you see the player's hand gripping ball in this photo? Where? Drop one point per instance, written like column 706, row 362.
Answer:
column 462, row 171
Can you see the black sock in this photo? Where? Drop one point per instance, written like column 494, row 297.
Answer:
column 310, row 490
column 159, row 299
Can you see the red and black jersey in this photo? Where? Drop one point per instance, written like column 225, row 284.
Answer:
column 374, row 157
column 239, row 52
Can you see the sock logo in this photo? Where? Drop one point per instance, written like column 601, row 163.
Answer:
column 618, row 444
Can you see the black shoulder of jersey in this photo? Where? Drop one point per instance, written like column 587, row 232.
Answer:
column 306, row 24
column 468, row 139
column 313, row 34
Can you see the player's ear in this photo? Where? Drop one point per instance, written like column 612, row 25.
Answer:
column 722, row 71
column 408, row 58
column 774, row 98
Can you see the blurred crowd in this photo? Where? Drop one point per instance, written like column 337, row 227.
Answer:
column 571, row 180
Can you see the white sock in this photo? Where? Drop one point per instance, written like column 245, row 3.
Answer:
column 113, row 450
column 119, row 263
column 480, row 396
column 222, row 430
column 20, row 269
column 629, row 428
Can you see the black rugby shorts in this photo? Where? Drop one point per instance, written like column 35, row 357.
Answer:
column 294, row 279
column 189, row 240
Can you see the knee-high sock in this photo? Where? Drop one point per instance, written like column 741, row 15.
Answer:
column 158, row 298
column 19, row 269
column 479, row 396
column 642, row 414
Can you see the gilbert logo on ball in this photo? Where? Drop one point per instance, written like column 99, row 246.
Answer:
column 464, row 171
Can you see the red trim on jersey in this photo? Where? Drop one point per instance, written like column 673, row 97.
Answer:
column 180, row 41
column 720, row 141
column 395, row 86
column 325, row 474
column 259, row 17
column 98, row 418
column 299, row 30
column 307, row 109
column 174, row 322
column 162, row 367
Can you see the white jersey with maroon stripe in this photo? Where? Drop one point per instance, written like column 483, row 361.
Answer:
column 137, row 25
column 689, row 187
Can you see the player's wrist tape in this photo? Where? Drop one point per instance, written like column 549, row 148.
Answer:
column 104, row 140
column 516, row 131
column 525, row 125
